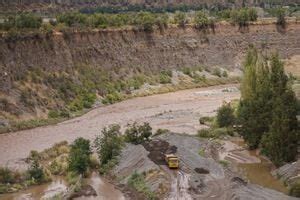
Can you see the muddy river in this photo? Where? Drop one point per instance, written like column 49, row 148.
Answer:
column 253, row 166
column 177, row 111
column 104, row 189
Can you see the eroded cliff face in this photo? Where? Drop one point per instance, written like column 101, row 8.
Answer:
column 116, row 49
column 43, row 72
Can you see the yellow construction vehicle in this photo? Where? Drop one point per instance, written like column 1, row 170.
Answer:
column 172, row 161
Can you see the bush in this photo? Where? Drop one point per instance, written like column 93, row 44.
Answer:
column 145, row 20
column 79, row 157
column 112, row 98
column 161, row 131
column 180, row 19
column 295, row 189
column 165, row 77
column 225, row 116
column 6, row 176
column 202, row 21
column 53, row 114
column 36, row 172
column 224, row 74
column 204, row 120
column 137, row 181
column 21, row 21
column 280, row 14
column 109, row 144
column 243, row 16
column 215, row 132
column 217, row 72
column 72, row 19
column 205, row 133
column 136, row 134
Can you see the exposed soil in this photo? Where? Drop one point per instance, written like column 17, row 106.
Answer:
column 157, row 150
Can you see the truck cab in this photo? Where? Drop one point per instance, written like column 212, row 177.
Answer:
column 172, row 161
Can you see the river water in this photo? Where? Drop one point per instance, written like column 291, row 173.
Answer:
column 104, row 189
column 260, row 172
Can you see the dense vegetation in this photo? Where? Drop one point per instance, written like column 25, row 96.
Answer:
column 137, row 134
column 143, row 20
column 108, row 146
column 79, row 156
column 268, row 108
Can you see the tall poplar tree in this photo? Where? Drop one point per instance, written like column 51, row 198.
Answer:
column 280, row 143
column 268, row 108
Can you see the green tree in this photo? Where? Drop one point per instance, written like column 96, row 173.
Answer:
column 280, row 143
column 254, row 108
column 136, row 134
column 79, row 158
column 225, row 116
column 108, row 144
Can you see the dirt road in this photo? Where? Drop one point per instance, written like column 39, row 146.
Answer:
column 178, row 112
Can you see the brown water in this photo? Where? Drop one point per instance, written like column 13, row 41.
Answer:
column 104, row 189
column 39, row 191
column 260, row 173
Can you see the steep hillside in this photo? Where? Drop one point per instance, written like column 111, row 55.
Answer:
column 47, row 72
column 60, row 5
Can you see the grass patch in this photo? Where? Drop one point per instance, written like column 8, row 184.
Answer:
column 215, row 132
column 201, row 152
column 224, row 163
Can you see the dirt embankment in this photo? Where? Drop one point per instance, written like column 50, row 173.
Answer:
column 122, row 51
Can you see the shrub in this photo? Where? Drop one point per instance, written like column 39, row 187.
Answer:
column 187, row 71
column 204, row 120
column 204, row 133
column 6, row 175
column 72, row 19
column 241, row 17
column 53, row 114
column 280, row 14
column 161, row 131
column 36, row 172
column 225, row 116
column 224, row 74
column 112, row 98
column 145, row 20
column 180, row 19
column 295, row 189
column 21, row 21
column 109, row 144
column 165, row 77
column 217, row 72
column 202, row 21
column 252, row 14
column 79, row 158
column 136, row 134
